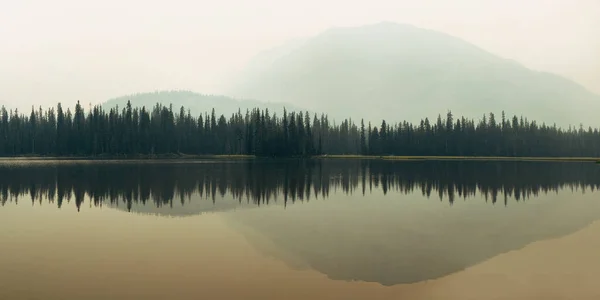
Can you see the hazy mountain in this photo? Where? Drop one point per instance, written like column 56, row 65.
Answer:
column 263, row 61
column 398, row 72
column 197, row 103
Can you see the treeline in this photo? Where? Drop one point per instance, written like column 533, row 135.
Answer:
column 285, row 182
column 161, row 130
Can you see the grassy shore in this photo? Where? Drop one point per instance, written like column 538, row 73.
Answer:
column 245, row 157
column 126, row 157
column 470, row 158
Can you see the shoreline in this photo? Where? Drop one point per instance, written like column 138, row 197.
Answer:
column 129, row 157
column 322, row 157
column 463, row 158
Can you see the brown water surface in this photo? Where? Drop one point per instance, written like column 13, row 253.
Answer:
column 299, row 230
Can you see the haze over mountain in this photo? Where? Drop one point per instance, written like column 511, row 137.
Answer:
column 397, row 72
column 50, row 54
column 197, row 103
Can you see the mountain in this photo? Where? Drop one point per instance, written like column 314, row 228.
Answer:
column 197, row 103
column 399, row 72
column 262, row 62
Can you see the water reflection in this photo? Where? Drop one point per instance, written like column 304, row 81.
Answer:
column 372, row 221
column 261, row 183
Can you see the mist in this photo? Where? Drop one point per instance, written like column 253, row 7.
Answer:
column 68, row 50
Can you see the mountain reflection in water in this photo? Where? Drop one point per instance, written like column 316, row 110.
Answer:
column 365, row 220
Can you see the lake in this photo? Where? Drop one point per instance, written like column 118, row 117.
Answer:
column 299, row 229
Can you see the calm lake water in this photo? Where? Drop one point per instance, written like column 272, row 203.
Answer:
column 334, row 229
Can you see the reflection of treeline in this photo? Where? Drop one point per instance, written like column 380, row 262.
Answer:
column 262, row 182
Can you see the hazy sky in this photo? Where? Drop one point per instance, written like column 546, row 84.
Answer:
column 69, row 50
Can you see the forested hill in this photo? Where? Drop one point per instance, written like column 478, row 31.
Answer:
column 163, row 130
column 196, row 103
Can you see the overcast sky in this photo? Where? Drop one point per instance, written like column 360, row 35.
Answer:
column 69, row 50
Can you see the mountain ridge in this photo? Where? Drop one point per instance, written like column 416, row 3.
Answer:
column 408, row 73
column 197, row 103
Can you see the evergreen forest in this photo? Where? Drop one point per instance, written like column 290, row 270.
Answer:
column 163, row 130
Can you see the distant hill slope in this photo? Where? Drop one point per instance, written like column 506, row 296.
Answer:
column 399, row 72
column 196, row 103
